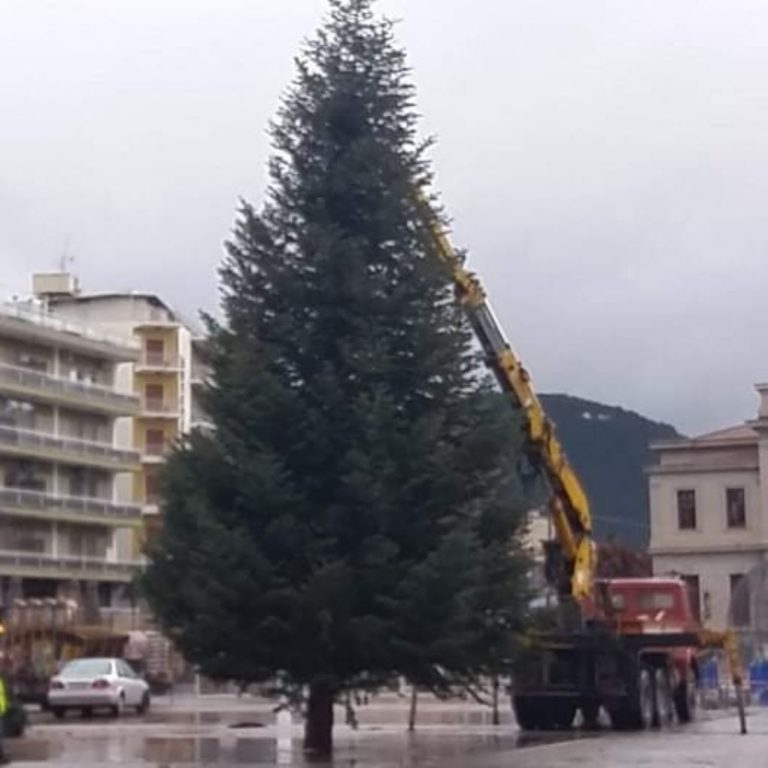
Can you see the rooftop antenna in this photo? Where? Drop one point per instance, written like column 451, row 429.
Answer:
column 66, row 258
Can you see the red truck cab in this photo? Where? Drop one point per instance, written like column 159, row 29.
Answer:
column 658, row 604
column 655, row 606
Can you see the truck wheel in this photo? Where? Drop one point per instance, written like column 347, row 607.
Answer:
column 528, row 712
column 685, row 698
column 645, row 703
column 663, row 713
column 560, row 715
column 636, row 711
column 590, row 714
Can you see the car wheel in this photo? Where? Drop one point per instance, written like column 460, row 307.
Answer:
column 144, row 705
column 118, row 708
column 87, row 712
column 59, row 712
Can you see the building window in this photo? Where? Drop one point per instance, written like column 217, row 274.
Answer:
column 105, row 594
column 151, row 488
column 735, row 508
column 694, row 594
column 154, row 351
column 17, row 413
column 686, row 509
column 32, row 361
column 740, row 600
column 153, row 396
column 155, row 442
column 26, row 476
column 86, row 483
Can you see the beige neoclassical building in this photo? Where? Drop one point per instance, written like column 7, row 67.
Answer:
column 709, row 513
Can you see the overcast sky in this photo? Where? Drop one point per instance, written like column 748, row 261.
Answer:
column 605, row 163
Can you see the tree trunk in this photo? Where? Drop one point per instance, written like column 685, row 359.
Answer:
column 495, row 719
column 318, row 729
column 412, row 711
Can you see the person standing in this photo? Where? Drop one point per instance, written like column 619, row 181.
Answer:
column 5, row 700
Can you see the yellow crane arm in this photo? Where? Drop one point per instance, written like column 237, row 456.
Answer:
column 568, row 503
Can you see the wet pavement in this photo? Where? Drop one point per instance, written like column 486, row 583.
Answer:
column 236, row 733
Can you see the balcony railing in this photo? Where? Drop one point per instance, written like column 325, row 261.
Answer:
column 69, row 564
column 29, row 441
column 76, row 505
column 157, row 450
column 46, row 320
column 72, row 390
column 160, row 407
column 159, row 360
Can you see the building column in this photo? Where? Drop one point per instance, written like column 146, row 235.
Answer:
column 55, row 539
column 760, row 425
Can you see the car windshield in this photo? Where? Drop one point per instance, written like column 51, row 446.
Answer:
column 86, row 668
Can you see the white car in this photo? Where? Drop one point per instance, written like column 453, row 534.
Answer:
column 88, row 684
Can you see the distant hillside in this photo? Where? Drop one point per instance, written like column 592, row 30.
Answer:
column 608, row 447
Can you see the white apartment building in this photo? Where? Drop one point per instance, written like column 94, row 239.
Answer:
column 67, row 520
column 709, row 514
column 166, row 376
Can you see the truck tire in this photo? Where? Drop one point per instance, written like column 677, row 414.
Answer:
column 590, row 715
column 636, row 711
column 543, row 713
column 529, row 712
column 663, row 705
column 560, row 715
column 685, row 698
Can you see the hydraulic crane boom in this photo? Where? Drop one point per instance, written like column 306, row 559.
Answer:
column 631, row 650
column 568, row 503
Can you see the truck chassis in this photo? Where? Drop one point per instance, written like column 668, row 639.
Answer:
column 636, row 678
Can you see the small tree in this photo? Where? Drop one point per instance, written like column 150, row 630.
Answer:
column 616, row 560
column 352, row 516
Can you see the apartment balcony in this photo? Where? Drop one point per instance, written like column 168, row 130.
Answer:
column 155, row 453
column 43, row 445
column 44, row 566
column 158, row 320
column 20, row 321
column 200, row 374
column 158, row 409
column 27, row 383
column 202, row 424
column 151, row 362
column 48, row 506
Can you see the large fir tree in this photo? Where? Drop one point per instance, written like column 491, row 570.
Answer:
column 351, row 517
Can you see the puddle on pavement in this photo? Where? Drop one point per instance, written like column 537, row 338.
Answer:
column 165, row 750
column 423, row 749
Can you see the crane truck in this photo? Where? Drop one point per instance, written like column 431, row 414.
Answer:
column 629, row 646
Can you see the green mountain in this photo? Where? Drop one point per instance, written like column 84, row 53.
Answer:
column 608, row 447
